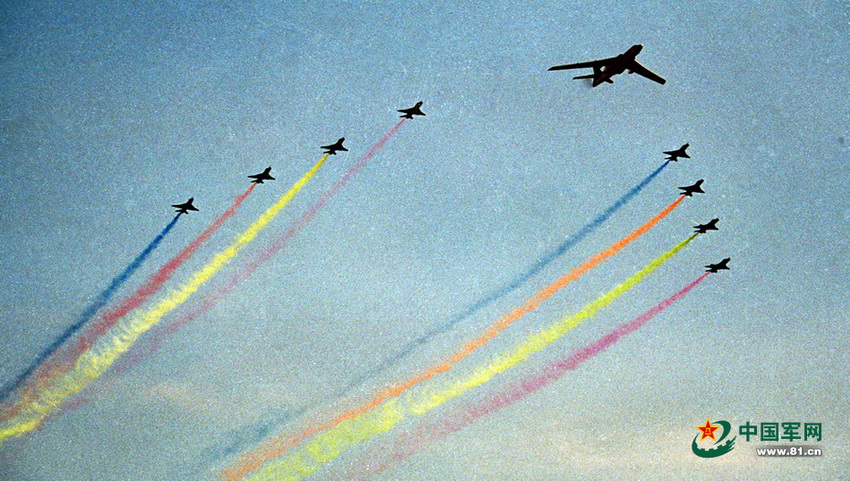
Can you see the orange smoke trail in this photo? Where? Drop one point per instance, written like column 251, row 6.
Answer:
column 276, row 447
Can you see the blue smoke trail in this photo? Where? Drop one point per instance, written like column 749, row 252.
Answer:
column 238, row 440
column 507, row 288
column 90, row 311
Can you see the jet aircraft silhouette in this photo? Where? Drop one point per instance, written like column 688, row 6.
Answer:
column 606, row 68
column 185, row 207
column 703, row 228
column 690, row 190
column 410, row 112
column 722, row 265
column 335, row 147
column 264, row 175
column 680, row 152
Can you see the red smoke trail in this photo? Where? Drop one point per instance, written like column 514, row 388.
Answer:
column 277, row 244
column 414, row 441
column 64, row 360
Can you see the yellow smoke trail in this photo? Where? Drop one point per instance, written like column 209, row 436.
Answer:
column 95, row 361
column 332, row 443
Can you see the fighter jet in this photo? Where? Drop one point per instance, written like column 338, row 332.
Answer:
column 680, row 152
column 185, row 207
column 409, row 113
column 719, row 266
column 264, row 175
column 335, row 147
column 703, row 228
column 690, row 190
column 606, row 68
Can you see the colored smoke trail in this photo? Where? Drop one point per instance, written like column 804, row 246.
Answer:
column 236, row 441
column 500, row 292
column 91, row 310
column 63, row 361
column 95, row 361
column 253, row 434
column 422, row 436
column 212, row 299
column 155, row 282
column 363, row 425
column 275, row 448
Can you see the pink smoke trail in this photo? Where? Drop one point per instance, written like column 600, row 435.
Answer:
column 425, row 434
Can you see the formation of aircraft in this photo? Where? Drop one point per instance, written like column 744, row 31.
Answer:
column 603, row 70
column 264, row 175
column 410, row 112
column 606, row 68
column 335, row 147
column 703, row 228
column 690, row 190
column 722, row 265
column 680, row 152
column 185, row 207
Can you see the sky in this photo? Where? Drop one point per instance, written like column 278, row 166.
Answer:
column 110, row 112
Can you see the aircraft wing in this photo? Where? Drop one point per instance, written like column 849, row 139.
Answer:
column 592, row 63
column 639, row 69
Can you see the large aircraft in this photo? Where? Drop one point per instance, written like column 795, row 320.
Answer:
column 703, row 228
column 264, row 175
column 606, row 68
column 722, row 265
column 409, row 113
column 680, row 152
column 185, row 207
column 335, row 147
column 690, row 190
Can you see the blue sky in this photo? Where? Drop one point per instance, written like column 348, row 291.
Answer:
column 111, row 112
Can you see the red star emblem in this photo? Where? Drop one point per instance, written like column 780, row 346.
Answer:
column 708, row 430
